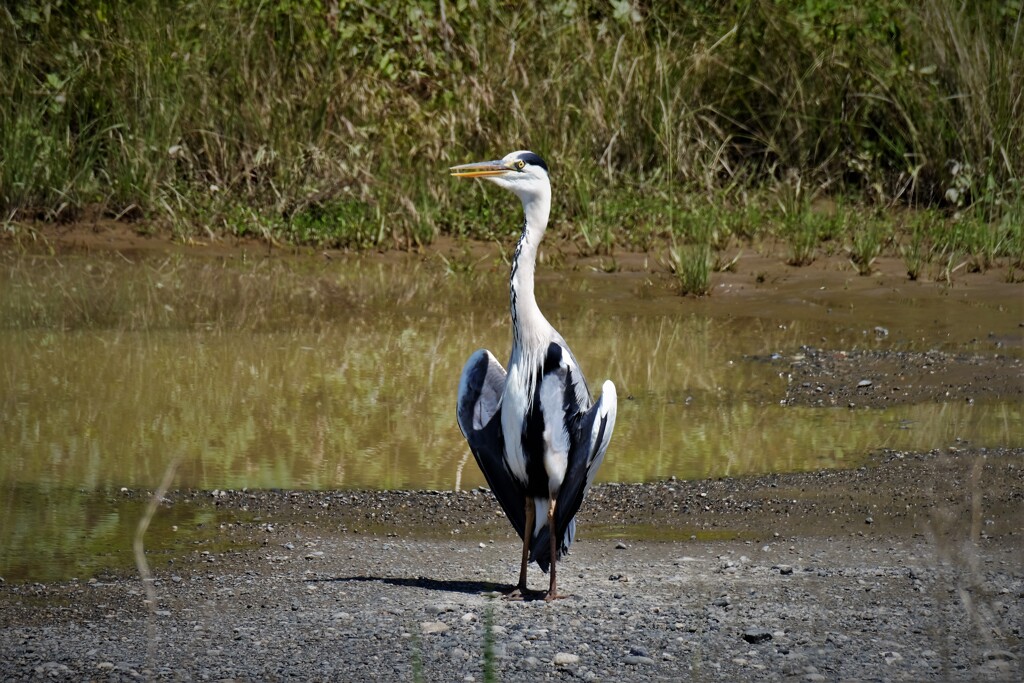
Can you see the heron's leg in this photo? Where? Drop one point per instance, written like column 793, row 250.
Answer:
column 531, row 515
column 520, row 592
column 552, row 528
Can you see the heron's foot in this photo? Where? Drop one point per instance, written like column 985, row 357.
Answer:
column 523, row 594
column 551, row 596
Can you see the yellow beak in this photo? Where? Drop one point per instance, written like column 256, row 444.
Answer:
column 480, row 169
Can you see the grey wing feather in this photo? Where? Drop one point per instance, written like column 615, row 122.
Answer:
column 590, row 433
column 478, row 413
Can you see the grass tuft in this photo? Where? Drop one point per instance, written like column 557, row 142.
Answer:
column 691, row 265
column 866, row 246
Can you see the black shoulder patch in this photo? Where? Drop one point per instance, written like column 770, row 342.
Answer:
column 531, row 158
column 553, row 358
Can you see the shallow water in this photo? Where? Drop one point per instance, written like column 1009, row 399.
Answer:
column 307, row 373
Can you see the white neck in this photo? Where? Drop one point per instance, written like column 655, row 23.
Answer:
column 529, row 326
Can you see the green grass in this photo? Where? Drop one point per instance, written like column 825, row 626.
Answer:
column 332, row 124
column 866, row 246
column 691, row 265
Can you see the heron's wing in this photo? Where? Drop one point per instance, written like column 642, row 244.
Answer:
column 478, row 413
column 589, row 430
column 576, row 378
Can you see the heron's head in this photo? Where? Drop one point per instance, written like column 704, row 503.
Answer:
column 522, row 172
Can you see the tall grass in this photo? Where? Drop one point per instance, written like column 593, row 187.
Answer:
column 332, row 123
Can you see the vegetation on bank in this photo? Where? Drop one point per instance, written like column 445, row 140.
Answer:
column 815, row 124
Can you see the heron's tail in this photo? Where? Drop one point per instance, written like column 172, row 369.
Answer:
column 540, row 548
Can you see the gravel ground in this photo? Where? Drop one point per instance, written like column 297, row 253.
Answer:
column 909, row 569
column 877, row 379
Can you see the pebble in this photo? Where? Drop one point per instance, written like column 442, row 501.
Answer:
column 566, row 659
column 757, row 635
column 439, row 608
column 430, row 627
column 637, row 660
column 1004, row 655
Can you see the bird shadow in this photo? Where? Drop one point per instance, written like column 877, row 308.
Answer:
column 452, row 586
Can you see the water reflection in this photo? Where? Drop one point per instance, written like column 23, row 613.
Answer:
column 312, row 374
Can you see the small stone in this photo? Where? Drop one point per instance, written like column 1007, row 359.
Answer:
column 439, row 608
column 469, row 618
column 864, row 383
column 637, row 660
column 639, row 650
column 757, row 635
column 566, row 659
column 430, row 627
column 620, row 546
column 1001, row 655
column 785, row 569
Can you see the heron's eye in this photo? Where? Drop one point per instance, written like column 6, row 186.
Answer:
column 520, row 164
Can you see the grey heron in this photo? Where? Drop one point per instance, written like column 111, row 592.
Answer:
column 534, row 430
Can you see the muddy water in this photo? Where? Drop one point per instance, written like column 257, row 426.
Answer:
column 307, row 373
